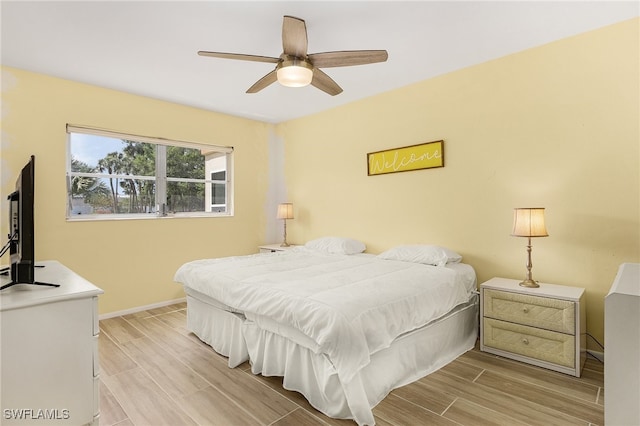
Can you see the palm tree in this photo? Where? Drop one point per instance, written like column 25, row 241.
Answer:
column 89, row 188
column 140, row 160
column 112, row 164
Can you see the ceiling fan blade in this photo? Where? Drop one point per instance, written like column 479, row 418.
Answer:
column 347, row 58
column 294, row 37
column 263, row 82
column 240, row 56
column 325, row 83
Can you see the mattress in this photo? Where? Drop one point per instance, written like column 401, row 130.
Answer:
column 344, row 306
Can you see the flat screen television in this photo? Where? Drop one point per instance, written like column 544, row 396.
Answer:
column 21, row 242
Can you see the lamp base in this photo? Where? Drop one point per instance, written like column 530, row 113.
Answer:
column 529, row 283
column 285, row 244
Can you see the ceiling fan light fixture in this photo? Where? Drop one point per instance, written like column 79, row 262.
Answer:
column 295, row 67
column 294, row 72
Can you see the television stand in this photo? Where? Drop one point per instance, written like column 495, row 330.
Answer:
column 5, row 271
column 11, row 284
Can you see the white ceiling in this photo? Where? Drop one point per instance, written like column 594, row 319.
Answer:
column 149, row 47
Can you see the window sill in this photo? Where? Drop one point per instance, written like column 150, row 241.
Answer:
column 112, row 217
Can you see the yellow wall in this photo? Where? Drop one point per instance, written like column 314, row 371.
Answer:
column 555, row 126
column 133, row 261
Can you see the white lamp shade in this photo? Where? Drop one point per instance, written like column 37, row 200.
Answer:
column 529, row 222
column 294, row 72
column 285, row 211
column 294, row 76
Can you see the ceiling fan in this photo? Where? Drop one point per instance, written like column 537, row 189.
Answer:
column 296, row 68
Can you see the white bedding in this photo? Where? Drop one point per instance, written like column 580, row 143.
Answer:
column 346, row 306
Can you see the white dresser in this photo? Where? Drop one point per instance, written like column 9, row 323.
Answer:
column 544, row 326
column 49, row 355
column 622, row 348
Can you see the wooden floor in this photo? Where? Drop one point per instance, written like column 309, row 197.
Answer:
column 154, row 372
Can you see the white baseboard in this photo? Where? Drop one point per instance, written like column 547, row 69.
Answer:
column 140, row 308
column 597, row 354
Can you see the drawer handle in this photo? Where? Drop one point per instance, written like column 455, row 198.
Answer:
column 525, row 310
column 525, row 341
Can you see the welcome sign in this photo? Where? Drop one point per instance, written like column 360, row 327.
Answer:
column 415, row 157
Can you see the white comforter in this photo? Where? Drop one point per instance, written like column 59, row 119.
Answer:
column 350, row 306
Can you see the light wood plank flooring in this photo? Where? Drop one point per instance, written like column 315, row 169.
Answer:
column 154, row 372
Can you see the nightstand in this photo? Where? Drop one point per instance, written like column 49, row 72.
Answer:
column 543, row 326
column 272, row 248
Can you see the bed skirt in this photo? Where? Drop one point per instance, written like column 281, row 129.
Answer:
column 410, row 357
column 218, row 327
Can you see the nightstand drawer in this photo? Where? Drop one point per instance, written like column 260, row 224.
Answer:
column 544, row 345
column 548, row 313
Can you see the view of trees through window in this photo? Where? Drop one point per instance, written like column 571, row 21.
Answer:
column 130, row 177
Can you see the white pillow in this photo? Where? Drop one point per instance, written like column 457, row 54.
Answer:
column 427, row 254
column 336, row 245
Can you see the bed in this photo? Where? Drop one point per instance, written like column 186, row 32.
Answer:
column 341, row 327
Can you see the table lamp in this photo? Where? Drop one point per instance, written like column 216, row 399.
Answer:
column 285, row 211
column 529, row 222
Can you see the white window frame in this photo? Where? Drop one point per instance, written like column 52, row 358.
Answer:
column 161, row 178
column 209, row 195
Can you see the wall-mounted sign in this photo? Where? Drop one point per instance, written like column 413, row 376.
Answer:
column 414, row 157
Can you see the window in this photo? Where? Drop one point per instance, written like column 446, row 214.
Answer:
column 218, row 190
column 114, row 175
